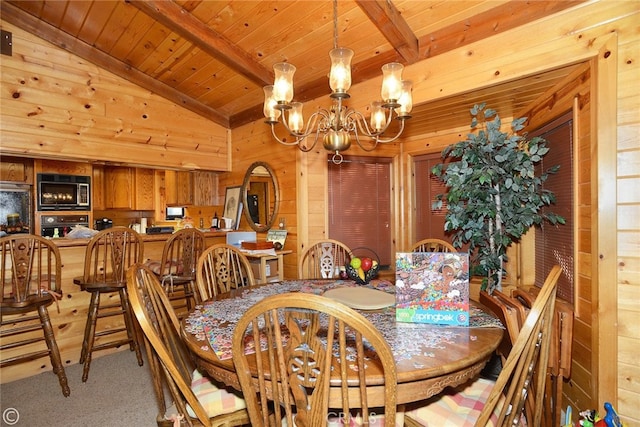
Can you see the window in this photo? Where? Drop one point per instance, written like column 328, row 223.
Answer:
column 360, row 204
column 555, row 244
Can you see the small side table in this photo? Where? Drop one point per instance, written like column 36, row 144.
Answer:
column 267, row 267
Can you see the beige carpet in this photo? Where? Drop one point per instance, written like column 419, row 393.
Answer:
column 117, row 393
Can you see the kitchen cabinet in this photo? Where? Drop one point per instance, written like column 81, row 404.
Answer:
column 128, row 188
column 97, row 188
column 178, row 188
column 144, row 193
column 205, row 188
column 199, row 188
column 16, row 170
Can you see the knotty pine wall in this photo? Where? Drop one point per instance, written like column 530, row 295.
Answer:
column 57, row 105
column 604, row 37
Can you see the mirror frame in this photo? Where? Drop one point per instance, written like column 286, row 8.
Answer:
column 245, row 192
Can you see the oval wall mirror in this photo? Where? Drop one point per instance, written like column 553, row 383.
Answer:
column 260, row 196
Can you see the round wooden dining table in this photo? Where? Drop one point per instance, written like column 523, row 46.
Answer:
column 428, row 357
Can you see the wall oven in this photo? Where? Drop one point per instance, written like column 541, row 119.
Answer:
column 60, row 225
column 63, row 192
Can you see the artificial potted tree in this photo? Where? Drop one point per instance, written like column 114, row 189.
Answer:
column 494, row 193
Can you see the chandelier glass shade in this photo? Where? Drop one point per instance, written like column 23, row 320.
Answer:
column 338, row 125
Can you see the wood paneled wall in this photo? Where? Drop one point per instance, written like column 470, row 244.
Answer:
column 603, row 36
column 56, row 105
column 252, row 143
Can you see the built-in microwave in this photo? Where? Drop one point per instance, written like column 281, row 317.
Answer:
column 57, row 192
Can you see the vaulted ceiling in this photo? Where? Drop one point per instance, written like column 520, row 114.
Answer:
column 214, row 57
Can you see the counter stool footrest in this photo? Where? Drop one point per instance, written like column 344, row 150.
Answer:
column 30, row 356
column 112, row 344
column 110, row 313
column 20, row 319
column 21, row 343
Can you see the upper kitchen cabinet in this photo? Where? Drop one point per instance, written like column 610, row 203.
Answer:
column 178, row 188
column 198, row 188
column 123, row 188
column 144, row 195
column 16, row 170
column 205, row 188
column 97, row 189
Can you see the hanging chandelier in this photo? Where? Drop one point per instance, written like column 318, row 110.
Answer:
column 339, row 124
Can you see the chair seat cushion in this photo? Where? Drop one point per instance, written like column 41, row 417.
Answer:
column 214, row 400
column 156, row 266
column 456, row 408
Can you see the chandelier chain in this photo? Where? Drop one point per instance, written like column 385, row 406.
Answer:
column 335, row 24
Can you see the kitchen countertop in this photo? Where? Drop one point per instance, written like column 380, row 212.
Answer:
column 65, row 242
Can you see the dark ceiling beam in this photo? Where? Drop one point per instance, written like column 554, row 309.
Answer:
column 390, row 23
column 180, row 21
column 33, row 25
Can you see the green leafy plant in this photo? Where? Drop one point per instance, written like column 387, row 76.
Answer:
column 494, row 195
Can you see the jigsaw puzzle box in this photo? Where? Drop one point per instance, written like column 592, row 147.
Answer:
column 432, row 287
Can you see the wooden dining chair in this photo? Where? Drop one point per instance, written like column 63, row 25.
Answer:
column 509, row 318
column 30, row 276
column 323, row 259
column 289, row 348
column 432, row 245
column 521, row 310
column 560, row 354
column 221, row 268
column 483, row 402
column 109, row 253
column 512, row 315
column 196, row 399
column 177, row 267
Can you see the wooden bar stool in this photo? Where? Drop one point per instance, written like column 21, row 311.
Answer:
column 30, row 275
column 177, row 268
column 109, row 254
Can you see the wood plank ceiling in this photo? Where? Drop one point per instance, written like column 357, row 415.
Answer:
column 214, row 57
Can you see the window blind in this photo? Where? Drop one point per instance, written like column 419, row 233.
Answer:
column 555, row 243
column 360, row 204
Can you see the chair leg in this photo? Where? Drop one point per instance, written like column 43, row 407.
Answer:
column 89, row 334
column 189, row 294
column 54, row 352
column 132, row 333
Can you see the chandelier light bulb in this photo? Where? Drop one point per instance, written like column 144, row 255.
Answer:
column 283, row 83
column 296, row 121
column 378, row 117
column 270, row 112
column 340, row 75
column 391, row 82
column 405, row 100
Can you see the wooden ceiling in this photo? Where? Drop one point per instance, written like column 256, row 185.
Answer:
column 214, row 57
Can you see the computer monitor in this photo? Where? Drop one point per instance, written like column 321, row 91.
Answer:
column 174, row 213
